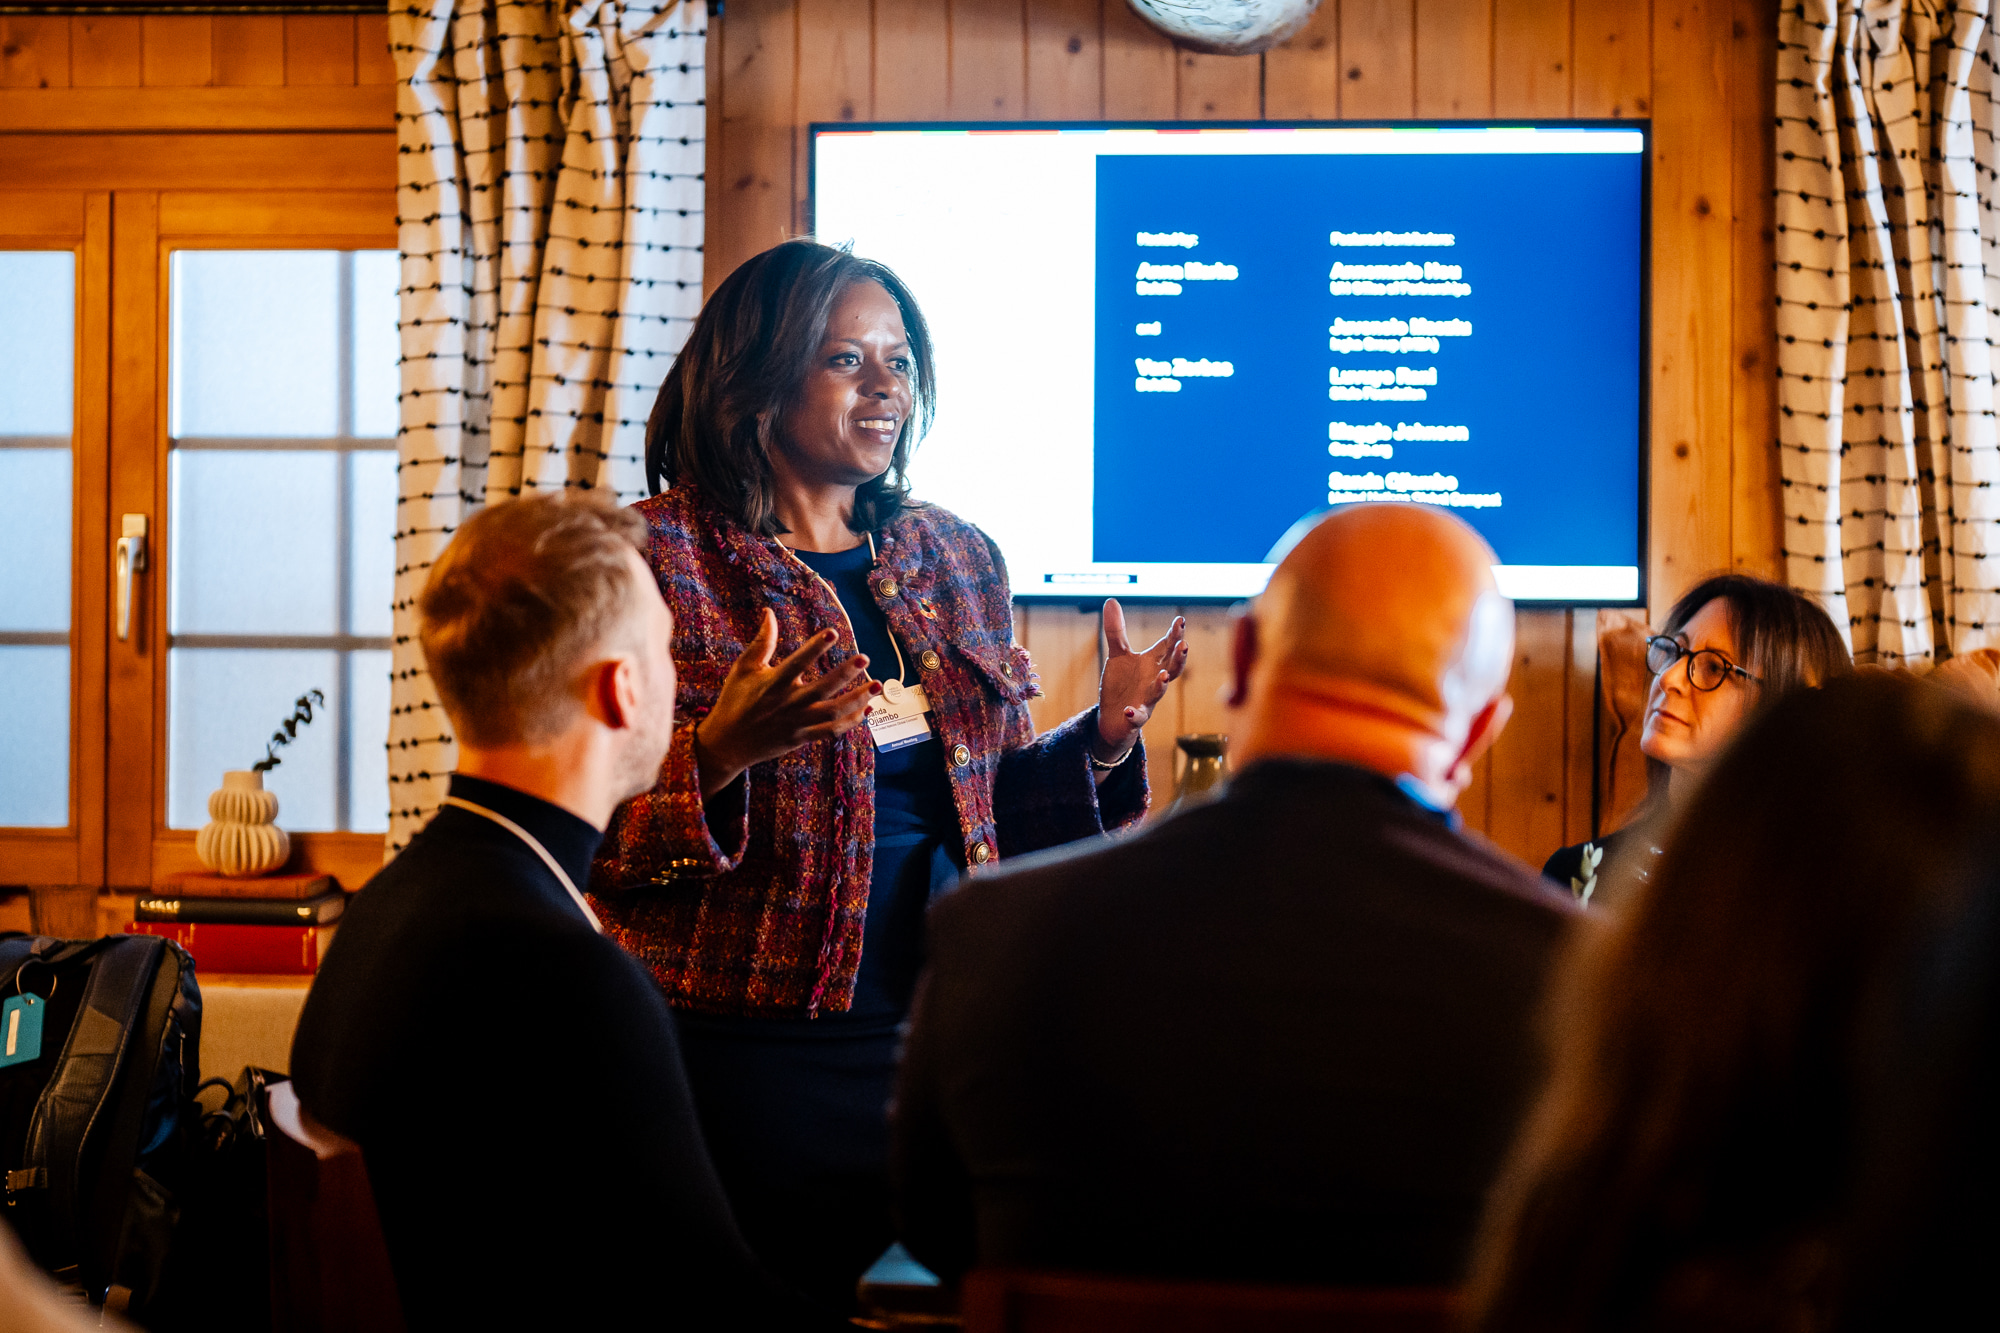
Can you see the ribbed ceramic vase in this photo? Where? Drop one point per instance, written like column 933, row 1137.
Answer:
column 240, row 838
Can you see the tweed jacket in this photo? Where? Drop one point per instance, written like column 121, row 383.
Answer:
column 753, row 902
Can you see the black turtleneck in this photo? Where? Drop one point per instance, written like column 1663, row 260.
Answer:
column 515, row 1082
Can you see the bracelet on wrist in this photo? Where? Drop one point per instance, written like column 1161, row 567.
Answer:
column 1100, row 766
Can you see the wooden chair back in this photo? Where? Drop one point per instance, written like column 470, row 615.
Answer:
column 1622, row 684
column 329, row 1266
column 1003, row 1301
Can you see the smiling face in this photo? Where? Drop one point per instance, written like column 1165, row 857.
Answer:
column 1686, row 727
column 842, row 427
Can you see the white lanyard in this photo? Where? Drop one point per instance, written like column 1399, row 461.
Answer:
column 534, row 845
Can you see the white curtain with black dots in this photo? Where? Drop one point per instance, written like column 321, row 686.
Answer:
column 1888, row 287
column 549, row 204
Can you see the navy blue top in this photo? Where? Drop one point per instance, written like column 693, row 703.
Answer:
column 916, row 822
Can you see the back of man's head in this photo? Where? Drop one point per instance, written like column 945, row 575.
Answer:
column 514, row 608
column 1381, row 618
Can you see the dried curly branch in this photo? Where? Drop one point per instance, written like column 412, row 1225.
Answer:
column 288, row 730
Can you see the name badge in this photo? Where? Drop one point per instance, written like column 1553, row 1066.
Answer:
column 900, row 716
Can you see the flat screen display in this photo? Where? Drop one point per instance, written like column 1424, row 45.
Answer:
column 1161, row 347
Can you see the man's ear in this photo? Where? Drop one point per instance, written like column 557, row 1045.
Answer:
column 614, row 694
column 1242, row 658
column 1485, row 729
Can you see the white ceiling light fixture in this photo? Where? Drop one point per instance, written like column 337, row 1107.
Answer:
column 1226, row 27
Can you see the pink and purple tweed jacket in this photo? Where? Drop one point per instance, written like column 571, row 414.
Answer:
column 753, row 903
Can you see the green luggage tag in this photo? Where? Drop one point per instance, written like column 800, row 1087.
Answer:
column 21, row 1029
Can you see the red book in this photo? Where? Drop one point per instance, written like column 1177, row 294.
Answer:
column 292, row 951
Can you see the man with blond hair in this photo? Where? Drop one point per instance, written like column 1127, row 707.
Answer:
column 1285, row 1036
column 512, row 1076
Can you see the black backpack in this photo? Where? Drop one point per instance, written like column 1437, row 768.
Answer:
column 94, row 1131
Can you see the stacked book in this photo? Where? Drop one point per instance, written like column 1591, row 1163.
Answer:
column 273, row 925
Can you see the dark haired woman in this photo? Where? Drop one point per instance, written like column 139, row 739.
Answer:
column 870, row 742
column 1731, row 645
column 1705, row 1143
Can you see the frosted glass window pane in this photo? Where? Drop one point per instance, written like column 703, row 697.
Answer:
column 34, row 539
column 377, row 348
column 372, row 527
column 255, row 347
column 34, row 737
column 368, row 743
column 37, row 341
column 254, row 543
column 223, row 705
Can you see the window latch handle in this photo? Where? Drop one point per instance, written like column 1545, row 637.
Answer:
column 131, row 560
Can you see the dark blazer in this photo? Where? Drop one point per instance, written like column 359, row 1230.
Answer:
column 1284, row 1036
column 514, row 1080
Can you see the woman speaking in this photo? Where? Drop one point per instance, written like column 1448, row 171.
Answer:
column 858, row 735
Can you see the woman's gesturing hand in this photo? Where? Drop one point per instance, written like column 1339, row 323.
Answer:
column 765, row 711
column 1133, row 682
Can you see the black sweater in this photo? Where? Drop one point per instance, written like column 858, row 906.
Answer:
column 514, row 1080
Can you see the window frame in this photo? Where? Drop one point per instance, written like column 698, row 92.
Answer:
column 225, row 220
column 77, row 221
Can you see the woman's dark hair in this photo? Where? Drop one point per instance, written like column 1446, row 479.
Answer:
column 1693, row 1159
column 1923, row 1227
column 1786, row 638
column 755, row 341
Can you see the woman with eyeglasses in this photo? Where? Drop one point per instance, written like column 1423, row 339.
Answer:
column 1731, row 645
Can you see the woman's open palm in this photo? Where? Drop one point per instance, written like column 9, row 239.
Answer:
column 1134, row 681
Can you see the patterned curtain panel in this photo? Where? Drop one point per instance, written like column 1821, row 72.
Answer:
column 549, row 199
column 1888, row 286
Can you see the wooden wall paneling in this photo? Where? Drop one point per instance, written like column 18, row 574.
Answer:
column 373, row 64
column 1612, row 43
column 836, row 82
column 1531, row 58
column 1138, row 67
column 1528, row 775
column 176, row 50
column 346, row 219
column 912, row 59
column 200, row 161
column 250, row 50
column 1218, row 87
column 136, row 485
column 105, row 51
column 1378, row 59
column 1454, row 59
column 750, row 197
column 90, row 637
column 989, row 53
column 1692, row 287
column 319, row 50
column 714, row 164
column 1475, row 803
column 103, row 113
column 1756, row 505
column 1579, row 728
column 1205, row 683
column 34, row 52
column 1065, row 59
column 1063, row 640
column 1302, row 75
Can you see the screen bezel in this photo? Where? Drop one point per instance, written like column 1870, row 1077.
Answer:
column 1645, row 130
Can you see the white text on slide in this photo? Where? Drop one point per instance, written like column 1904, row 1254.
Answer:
column 1176, row 239
column 1433, row 488
column 1389, row 238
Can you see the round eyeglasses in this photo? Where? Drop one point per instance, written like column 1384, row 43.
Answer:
column 1707, row 668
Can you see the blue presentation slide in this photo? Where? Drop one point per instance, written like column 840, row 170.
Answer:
column 1279, row 334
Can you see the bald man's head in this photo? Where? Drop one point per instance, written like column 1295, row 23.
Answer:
column 1391, row 609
